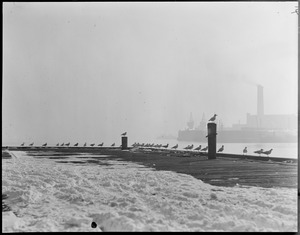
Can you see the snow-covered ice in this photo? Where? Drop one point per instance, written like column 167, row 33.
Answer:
column 122, row 196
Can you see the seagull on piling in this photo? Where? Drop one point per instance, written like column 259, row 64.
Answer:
column 259, row 151
column 198, row 148
column 245, row 150
column 221, row 149
column 205, row 149
column 175, row 147
column 44, row 145
column 68, row 144
column 22, row 144
column 84, row 144
column 113, row 145
column 213, row 118
column 267, row 152
column 124, row 134
column 165, row 146
column 101, row 144
column 76, row 144
column 57, row 144
column 92, row 145
column 62, row 144
column 31, row 144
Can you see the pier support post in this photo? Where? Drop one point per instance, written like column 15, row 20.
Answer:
column 124, row 142
column 212, row 140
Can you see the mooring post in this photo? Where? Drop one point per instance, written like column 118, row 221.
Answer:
column 212, row 139
column 124, row 142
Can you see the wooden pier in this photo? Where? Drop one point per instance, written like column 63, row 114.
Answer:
column 225, row 170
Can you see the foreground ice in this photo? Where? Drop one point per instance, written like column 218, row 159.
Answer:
column 123, row 196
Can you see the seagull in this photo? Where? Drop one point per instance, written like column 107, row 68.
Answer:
column 165, row 146
column 68, row 144
column 221, row 149
column 76, row 144
column 113, row 145
column 205, row 149
column 92, row 145
column 213, row 118
column 259, row 151
column 124, row 133
column 187, row 147
column 57, row 144
column 101, row 144
column 192, row 146
column 84, row 144
column 245, row 150
column 198, row 148
column 267, row 152
column 175, row 147
column 45, row 144
column 62, row 144
column 22, row 144
column 31, row 144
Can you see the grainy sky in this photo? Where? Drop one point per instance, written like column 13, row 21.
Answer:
column 86, row 72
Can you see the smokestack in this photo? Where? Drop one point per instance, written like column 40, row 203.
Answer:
column 260, row 101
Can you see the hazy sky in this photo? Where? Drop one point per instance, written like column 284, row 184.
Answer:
column 86, row 72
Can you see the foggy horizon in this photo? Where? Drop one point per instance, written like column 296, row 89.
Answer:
column 87, row 72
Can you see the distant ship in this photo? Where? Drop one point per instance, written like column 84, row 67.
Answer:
column 259, row 128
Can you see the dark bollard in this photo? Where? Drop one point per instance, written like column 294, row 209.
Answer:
column 124, row 142
column 212, row 140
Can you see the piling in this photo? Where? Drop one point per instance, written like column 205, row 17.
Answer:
column 124, row 142
column 212, row 139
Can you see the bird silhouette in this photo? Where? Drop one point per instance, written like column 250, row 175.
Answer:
column 45, row 144
column 76, row 144
column 92, row 145
column 221, row 149
column 123, row 134
column 22, row 144
column 31, row 144
column 101, row 144
column 62, row 144
column 68, row 144
column 175, row 146
column 198, row 148
column 84, row 144
column 259, row 151
column 191, row 146
column 187, row 147
column 267, row 152
column 57, row 144
column 113, row 145
column 205, row 149
column 213, row 118
column 245, row 150
column 165, row 146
